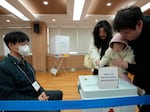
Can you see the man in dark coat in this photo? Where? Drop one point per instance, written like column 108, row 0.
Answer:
column 135, row 27
column 17, row 76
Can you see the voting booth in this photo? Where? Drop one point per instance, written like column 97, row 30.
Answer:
column 90, row 89
column 59, row 45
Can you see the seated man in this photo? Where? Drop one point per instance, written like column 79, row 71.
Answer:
column 17, row 76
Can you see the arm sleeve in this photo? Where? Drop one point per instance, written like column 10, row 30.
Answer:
column 129, row 56
column 132, row 68
column 93, row 51
column 106, row 59
column 7, row 89
column 13, row 95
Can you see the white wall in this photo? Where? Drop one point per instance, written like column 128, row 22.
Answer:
column 79, row 37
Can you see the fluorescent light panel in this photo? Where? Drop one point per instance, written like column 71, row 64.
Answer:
column 145, row 7
column 78, row 7
column 13, row 10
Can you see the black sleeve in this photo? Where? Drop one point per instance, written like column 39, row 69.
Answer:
column 7, row 88
column 13, row 95
column 131, row 68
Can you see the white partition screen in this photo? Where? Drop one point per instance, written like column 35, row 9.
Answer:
column 60, row 44
column 79, row 38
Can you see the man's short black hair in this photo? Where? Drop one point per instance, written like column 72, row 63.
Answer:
column 15, row 36
column 127, row 18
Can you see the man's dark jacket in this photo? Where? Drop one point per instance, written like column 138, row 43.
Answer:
column 141, row 48
column 14, row 85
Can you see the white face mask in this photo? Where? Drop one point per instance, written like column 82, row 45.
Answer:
column 24, row 50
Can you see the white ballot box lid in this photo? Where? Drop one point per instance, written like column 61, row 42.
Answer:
column 90, row 90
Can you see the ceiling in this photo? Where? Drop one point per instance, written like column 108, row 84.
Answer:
column 62, row 12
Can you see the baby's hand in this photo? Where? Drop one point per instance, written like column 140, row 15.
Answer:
column 117, row 62
column 97, row 62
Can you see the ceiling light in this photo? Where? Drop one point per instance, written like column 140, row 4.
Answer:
column 45, row 2
column 96, row 20
column 108, row 4
column 13, row 10
column 8, row 21
column 53, row 20
column 145, row 7
column 78, row 7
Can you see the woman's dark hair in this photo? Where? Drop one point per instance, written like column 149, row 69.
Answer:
column 15, row 36
column 102, row 43
column 127, row 18
column 97, row 40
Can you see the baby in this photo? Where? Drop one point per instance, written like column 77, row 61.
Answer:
column 120, row 50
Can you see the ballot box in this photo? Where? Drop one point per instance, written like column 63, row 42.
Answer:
column 89, row 90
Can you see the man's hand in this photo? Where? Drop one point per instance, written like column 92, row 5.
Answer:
column 43, row 96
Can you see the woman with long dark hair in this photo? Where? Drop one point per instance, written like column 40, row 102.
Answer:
column 102, row 34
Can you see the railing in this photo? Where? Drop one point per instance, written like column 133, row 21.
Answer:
column 73, row 104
